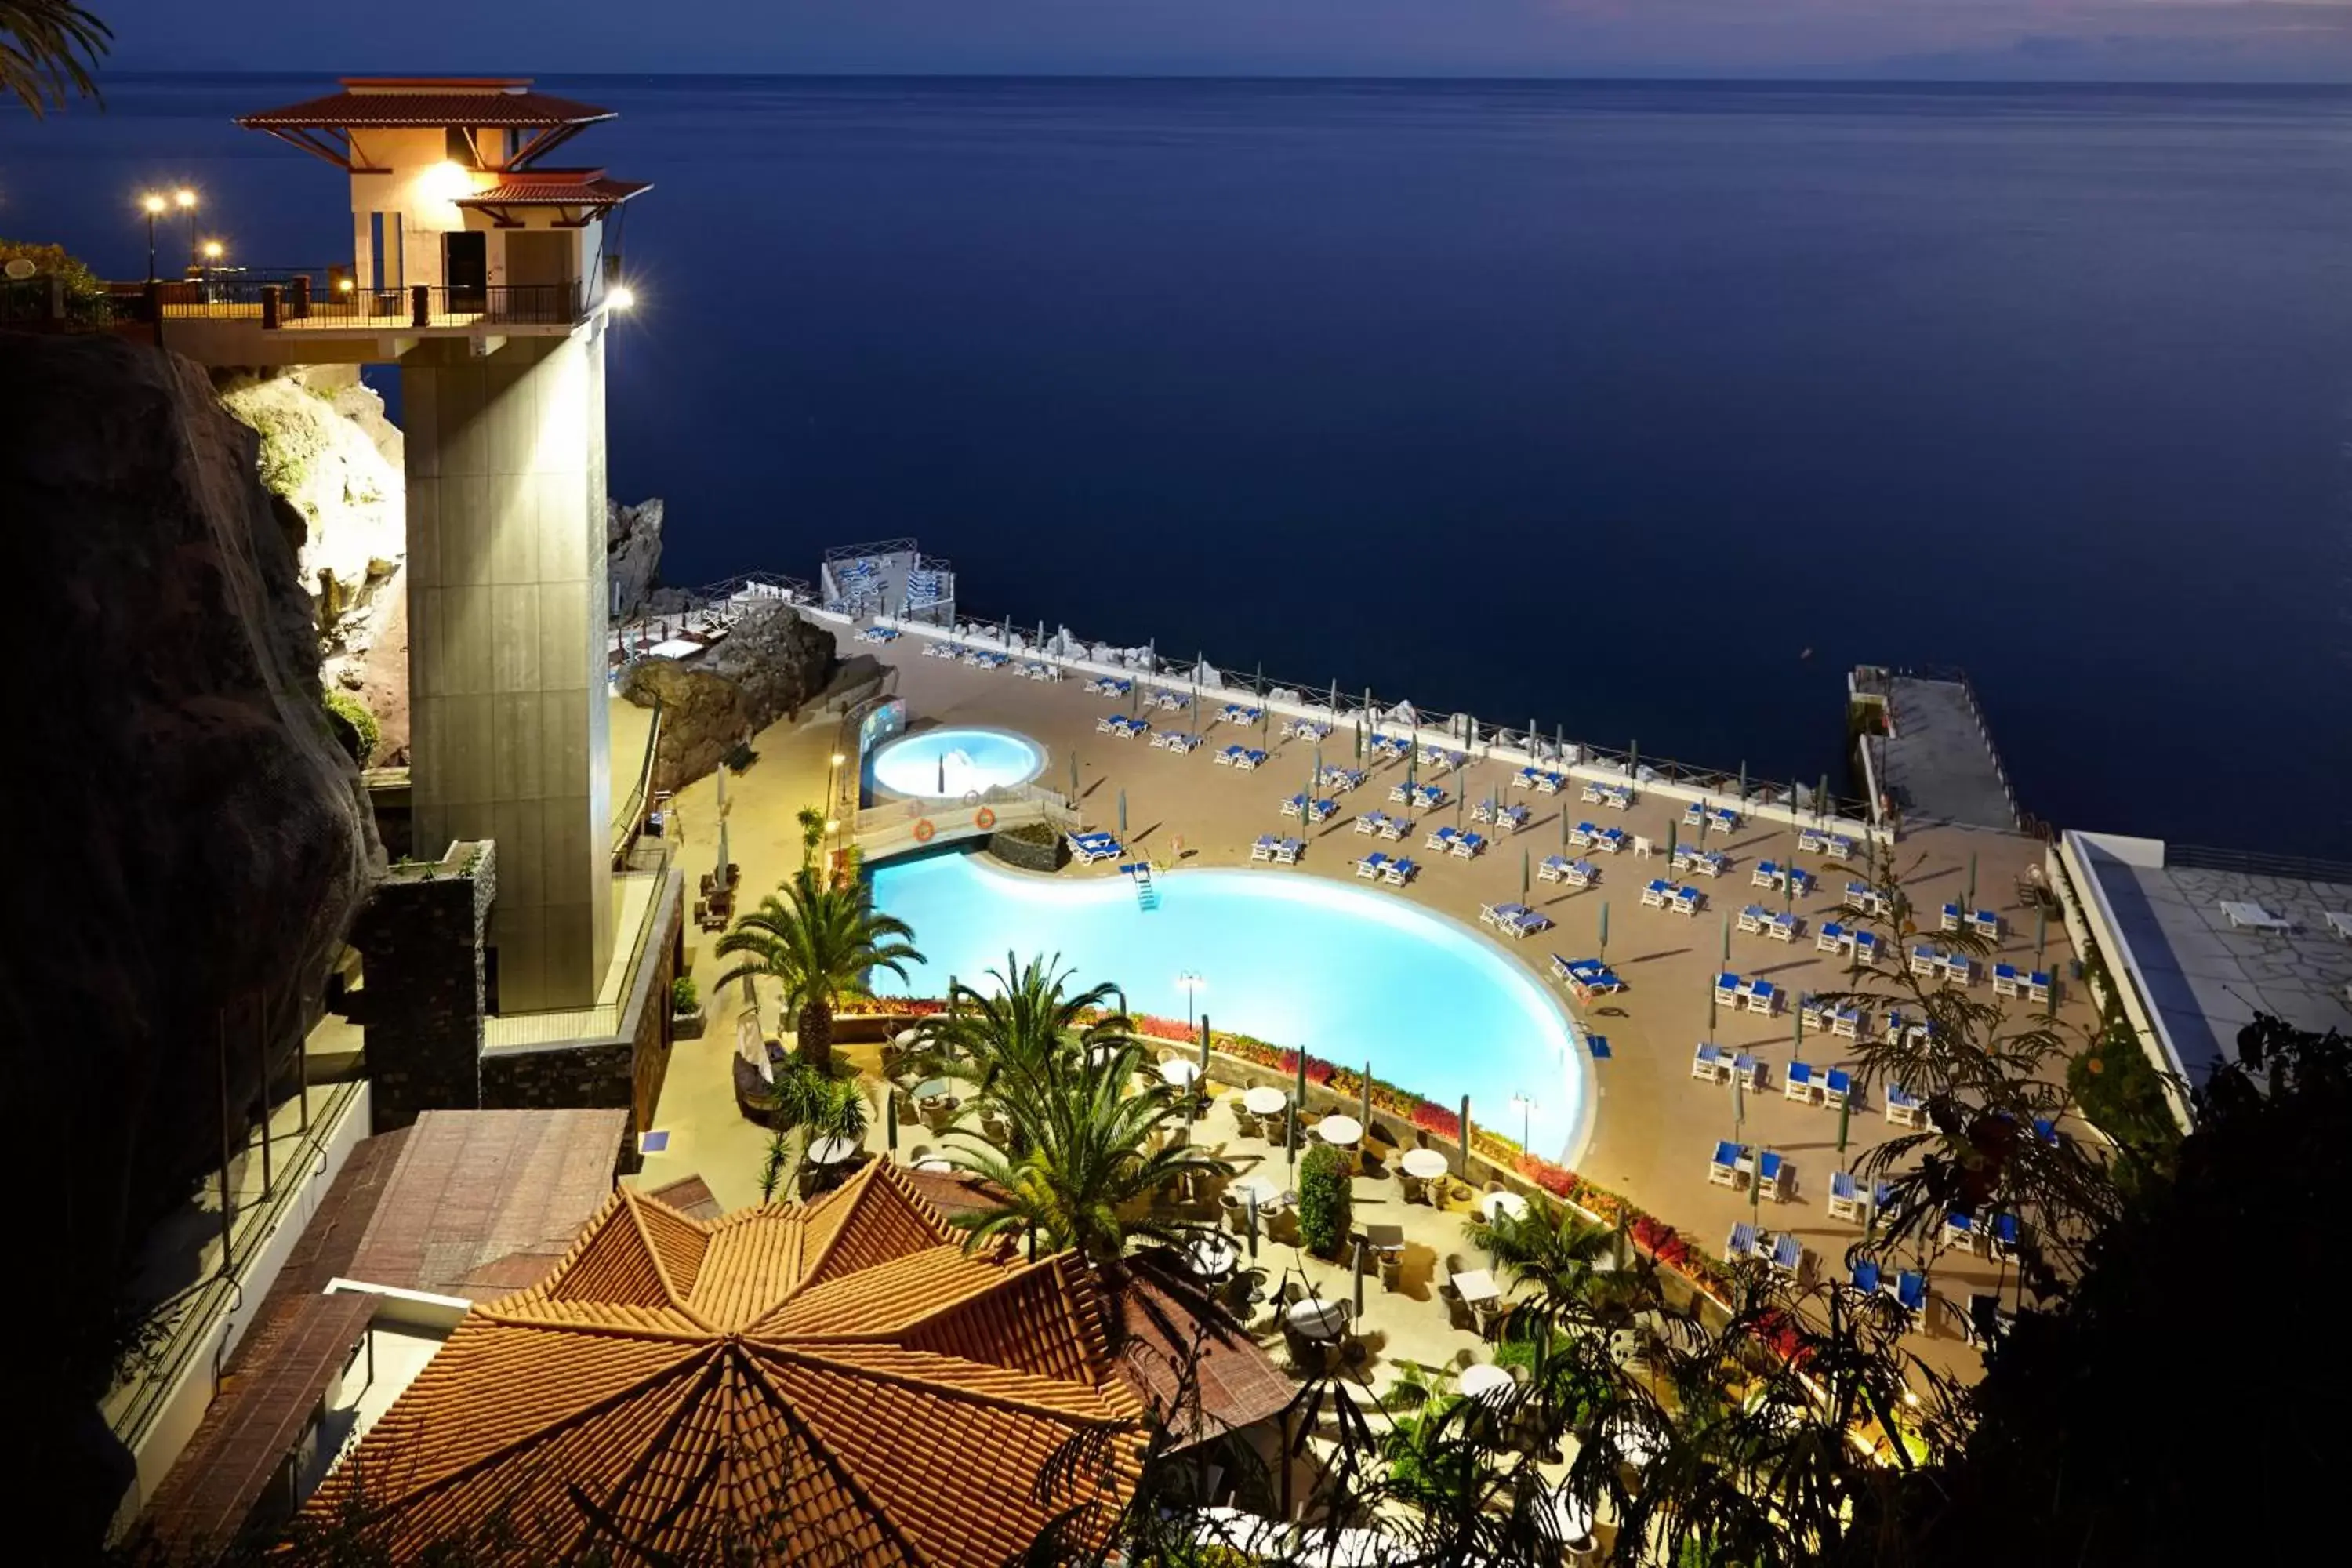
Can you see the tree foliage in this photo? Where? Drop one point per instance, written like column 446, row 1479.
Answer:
column 47, row 50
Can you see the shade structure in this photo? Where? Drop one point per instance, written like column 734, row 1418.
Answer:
column 1367, row 1117
column 797, row 1377
column 1603, row 954
column 1672, row 840
column 1526, row 872
column 1122, row 810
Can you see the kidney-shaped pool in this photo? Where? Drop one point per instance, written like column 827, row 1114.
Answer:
column 1352, row 975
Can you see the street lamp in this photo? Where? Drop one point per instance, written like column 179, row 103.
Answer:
column 1526, row 1120
column 185, row 200
column 153, row 207
column 1191, row 986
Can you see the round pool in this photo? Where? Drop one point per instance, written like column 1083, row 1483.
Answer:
column 1352, row 975
column 947, row 764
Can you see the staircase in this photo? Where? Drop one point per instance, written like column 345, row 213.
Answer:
column 1147, row 892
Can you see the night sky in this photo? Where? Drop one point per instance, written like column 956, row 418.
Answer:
column 2183, row 40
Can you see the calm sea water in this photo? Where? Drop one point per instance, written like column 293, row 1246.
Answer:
column 1642, row 409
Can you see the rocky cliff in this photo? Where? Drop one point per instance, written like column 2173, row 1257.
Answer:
column 188, row 842
column 772, row 665
column 327, row 450
column 633, row 547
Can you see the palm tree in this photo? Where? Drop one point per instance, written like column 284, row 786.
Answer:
column 47, row 49
column 1008, row 1042
column 819, row 943
column 1078, row 1167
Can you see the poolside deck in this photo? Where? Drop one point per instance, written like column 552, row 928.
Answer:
column 1653, row 1125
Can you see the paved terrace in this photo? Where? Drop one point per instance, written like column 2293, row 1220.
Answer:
column 1654, row 1125
column 1938, row 761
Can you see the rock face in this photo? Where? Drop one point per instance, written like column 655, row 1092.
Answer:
column 189, row 842
column 632, row 546
column 768, row 668
column 328, row 451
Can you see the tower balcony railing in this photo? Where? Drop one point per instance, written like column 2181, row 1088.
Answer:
column 296, row 304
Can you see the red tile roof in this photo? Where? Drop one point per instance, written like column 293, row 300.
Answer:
column 557, row 187
column 429, row 102
column 836, row 1383
column 1165, row 1319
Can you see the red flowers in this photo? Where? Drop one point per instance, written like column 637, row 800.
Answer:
column 1437, row 1119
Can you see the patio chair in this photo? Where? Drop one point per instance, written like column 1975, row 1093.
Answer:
column 1798, row 1084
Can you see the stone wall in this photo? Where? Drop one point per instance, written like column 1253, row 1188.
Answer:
column 423, row 1001
column 1016, row 850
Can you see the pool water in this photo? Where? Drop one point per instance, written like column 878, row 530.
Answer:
column 1352, row 975
column 953, row 763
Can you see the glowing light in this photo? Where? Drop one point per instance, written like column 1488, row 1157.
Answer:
column 153, row 202
column 839, row 759
column 212, row 250
column 445, row 181
column 342, row 285
column 185, row 197
column 621, row 298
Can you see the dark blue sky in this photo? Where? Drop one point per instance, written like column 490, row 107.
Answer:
column 2204, row 40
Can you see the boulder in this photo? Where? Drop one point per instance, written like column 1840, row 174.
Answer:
column 633, row 547
column 190, row 842
column 768, row 668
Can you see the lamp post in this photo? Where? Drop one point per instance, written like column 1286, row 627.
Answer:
column 153, row 205
column 1526, row 1119
column 1191, row 985
column 833, row 782
column 185, row 200
column 212, row 249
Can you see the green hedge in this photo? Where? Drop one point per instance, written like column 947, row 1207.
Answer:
column 1326, row 1200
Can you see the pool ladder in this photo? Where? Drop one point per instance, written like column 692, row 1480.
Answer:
column 1147, row 894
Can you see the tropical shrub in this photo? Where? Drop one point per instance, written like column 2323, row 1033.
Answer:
column 358, row 730
column 1326, row 1200
column 682, row 995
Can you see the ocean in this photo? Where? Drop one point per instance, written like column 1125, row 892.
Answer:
column 1644, row 410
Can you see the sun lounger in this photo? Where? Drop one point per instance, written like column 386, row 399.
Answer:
column 1911, row 1293
column 2007, row 981
column 1815, row 1009
column 1511, row 818
column 1235, row 713
column 1846, row 1023
column 1553, row 870
column 1751, row 920
column 1658, row 894
column 1467, row 847
column 1812, row 840
column 1769, row 1168
column 1749, row 1069
column 1960, row 1231
column 1707, row 863
column 1709, row 1066
column 1862, row 898
column 1183, row 742
column 1483, row 811
column 2252, row 915
column 1831, row 938
column 1552, row 784
column 1399, row 871
column 1394, row 828
column 1845, row 1197
column 1723, row 1166
column 1582, row 834
column 2037, row 985
column 1926, row 961
column 1527, row 922
column 1581, row 874
column 1091, row 848
column 1686, row 901
column 1904, row 1109
column 1609, row 840
column 1286, row 851
column 1837, row 1087
column 2001, row 1237
column 1799, row 1084
column 1951, row 917
column 1767, row 874
column 1250, row 761
column 2046, row 1130
column 1788, row 1253
column 1865, row 949
column 1986, row 924
column 1959, row 967
column 1727, row 989
column 1487, row 913
column 1104, row 725
column 1429, row 797
column 1440, row 838
column 1783, row 928
column 1864, row 1282
column 1841, row 848
column 1526, row 778
column 1341, row 779
column 1617, row 797
column 1264, row 848
column 1370, row 866
column 1370, row 822
column 1743, row 1245
column 1294, row 805
column 1592, row 794
column 1567, row 969
column 1229, row 756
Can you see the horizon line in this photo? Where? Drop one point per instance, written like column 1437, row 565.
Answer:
column 1691, row 78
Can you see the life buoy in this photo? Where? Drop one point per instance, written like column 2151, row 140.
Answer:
column 971, row 797
column 984, row 818
column 923, row 831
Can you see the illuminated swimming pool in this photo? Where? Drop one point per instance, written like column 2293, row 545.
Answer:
column 1350, row 974
column 951, row 763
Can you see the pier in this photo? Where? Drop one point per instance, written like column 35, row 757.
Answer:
column 1935, row 760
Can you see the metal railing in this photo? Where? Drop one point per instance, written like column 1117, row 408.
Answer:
column 1215, row 685
column 1953, row 675
column 299, row 300
column 649, row 863
column 880, row 830
column 45, row 305
column 630, row 820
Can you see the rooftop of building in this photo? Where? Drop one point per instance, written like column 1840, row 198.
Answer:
column 843, row 1377
column 429, row 102
column 2210, row 938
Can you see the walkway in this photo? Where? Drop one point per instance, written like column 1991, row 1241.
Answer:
column 1939, row 763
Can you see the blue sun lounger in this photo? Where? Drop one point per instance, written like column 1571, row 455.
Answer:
column 1707, row 1064
column 1371, row 866
column 1788, row 1253
column 1845, row 1197
column 1467, row 847
column 1092, row 847
column 1527, row 922
column 1742, row 1246
column 1401, row 871
column 1723, row 1166
column 1554, row 869
column 1768, row 1166
column 1440, row 838
column 1264, row 848
column 1865, row 1277
column 1911, row 1292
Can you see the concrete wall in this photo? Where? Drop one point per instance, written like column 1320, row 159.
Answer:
column 506, row 586
column 422, row 1004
